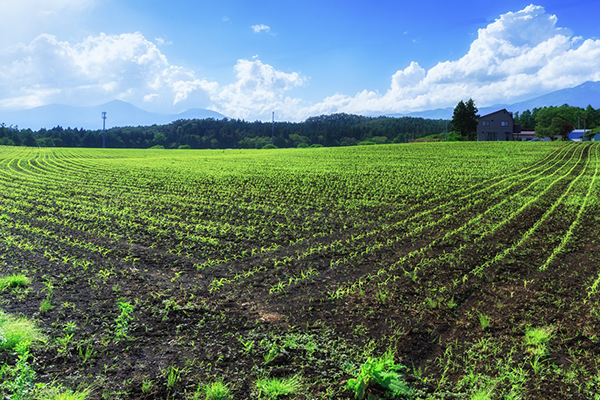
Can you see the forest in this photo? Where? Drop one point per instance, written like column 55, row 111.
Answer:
column 326, row 130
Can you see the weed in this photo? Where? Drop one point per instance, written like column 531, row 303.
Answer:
column 57, row 393
column 537, row 339
column 173, row 376
column 15, row 330
column 13, row 281
column 379, row 374
column 86, row 354
column 19, row 380
column 275, row 387
column 147, row 385
column 215, row 391
column 484, row 321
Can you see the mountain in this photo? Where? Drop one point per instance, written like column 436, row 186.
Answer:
column 118, row 113
column 587, row 93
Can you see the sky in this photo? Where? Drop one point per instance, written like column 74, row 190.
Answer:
column 247, row 59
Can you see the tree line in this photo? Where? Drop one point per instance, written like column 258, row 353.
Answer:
column 324, row 130
column 545, row 121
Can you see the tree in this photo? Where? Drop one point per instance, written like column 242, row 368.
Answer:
column 559, row 126
column 464, row 119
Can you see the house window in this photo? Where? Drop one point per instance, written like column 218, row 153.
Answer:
column 485, row 123
column 503, row 123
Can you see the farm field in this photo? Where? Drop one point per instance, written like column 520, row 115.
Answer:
column 153, row 274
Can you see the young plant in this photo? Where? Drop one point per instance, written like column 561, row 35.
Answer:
column 173, row 376
column 485, row 321
column 123, row 320
column 147, row 385
column 379, row 376
column 47, row 302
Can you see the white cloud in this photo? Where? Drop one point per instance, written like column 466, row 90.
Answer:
column 100, row 68
column 520, row 55
column 262, row 28
column 162, row 42
column 258, row 90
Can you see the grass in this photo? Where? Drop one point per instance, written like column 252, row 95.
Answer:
column 537, row 339
column 15, row 330
column 216, row 391
column 56, row 393
column 13, row 281
column 275, row 387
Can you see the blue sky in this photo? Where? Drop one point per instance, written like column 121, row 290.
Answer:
column 245, row 59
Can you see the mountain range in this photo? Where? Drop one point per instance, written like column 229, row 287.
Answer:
column 118, row 113
column 587, row 93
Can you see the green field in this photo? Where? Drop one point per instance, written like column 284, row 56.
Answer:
column 151, row 274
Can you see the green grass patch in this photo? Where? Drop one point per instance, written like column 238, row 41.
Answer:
column 214, row 391
column 272, row 388
column 56, row 393
column 15, row 330
column 13, row 281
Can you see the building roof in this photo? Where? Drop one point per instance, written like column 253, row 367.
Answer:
column 496, row 112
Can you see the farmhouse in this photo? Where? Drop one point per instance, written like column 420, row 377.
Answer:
column 497, row 126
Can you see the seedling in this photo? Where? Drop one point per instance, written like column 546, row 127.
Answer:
column 123, row 320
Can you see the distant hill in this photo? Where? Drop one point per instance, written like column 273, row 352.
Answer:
column 118, row 113
column 579, row 96
column 587, row 93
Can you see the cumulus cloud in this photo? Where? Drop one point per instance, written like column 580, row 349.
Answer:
column 258, row 89
column 100, row 68
column 520, row 55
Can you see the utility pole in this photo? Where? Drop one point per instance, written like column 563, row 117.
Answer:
column 272, row 126
column 103, row 129
column 446, row 132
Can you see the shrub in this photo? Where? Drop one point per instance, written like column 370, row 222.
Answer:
column 366, row 143
column 303, row 145
column 269, row 146
column 184, row 147
column 316, row 145
column 158, row 146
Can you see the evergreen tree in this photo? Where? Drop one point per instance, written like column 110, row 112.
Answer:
column 464, row 119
